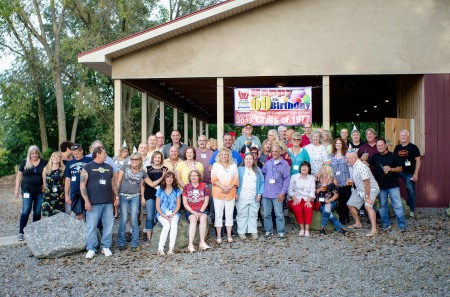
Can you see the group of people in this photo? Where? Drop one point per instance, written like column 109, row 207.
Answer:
column 164, row 181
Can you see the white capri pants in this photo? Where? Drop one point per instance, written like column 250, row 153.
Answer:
column 219, row 205
column 171, row 227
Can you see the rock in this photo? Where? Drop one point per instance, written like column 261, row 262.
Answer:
column 57, row 236
column 182, row 241
column 316, row 221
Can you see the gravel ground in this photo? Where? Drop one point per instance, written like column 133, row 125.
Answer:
column 415, row 263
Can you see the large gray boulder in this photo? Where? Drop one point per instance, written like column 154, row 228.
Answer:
column 56, row 236
column 182, row 241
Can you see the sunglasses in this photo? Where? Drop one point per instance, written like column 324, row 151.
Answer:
column 135, row 159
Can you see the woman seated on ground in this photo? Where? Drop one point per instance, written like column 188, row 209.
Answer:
column 195, row 200
column 297, row 154
column 251, row 187
column 148, row 198
column 301, row 197
column 224, row 180
column 168, row 202
column 129, row 183
column 317, row 152
column 184, row 168
column 328, row 193
column 53, row 178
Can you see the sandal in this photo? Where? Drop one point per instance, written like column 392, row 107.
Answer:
column 191, row 248
column 353, row 227
column 370, row 234
column 301, row 233
column 204, row 246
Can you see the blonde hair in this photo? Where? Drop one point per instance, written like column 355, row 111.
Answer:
column 31, row 149
column 213, row 143
column 136, row 154
column 328, row 171
column 230, row 156
column 48, row 168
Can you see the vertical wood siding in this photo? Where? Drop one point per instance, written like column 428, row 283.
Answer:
column 434, row 178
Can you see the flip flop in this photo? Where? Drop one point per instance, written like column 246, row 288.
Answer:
column 370, row 234
column 353, row 227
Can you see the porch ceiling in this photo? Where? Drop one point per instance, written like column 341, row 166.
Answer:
column 349, row 95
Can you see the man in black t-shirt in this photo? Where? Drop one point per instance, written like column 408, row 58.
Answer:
column 410, row 158
column 386, row 167
column 97, row 188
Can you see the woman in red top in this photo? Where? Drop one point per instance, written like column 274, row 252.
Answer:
column 195, row 200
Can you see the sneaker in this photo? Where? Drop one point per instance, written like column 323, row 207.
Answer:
column 306, row 233
column 20, row 237
column 107, row 252
column 122, row 248
column 136, row 249
column 281, row 236
column 402, row 229
column 411, row 214
column 242, row 236
column 268, row 234
column 322, row 231
column 385, row 228
column 90, row 254
column 254, row 236
column 344, row 231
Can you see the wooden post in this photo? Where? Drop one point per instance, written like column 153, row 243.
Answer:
column 117, row 115
column 326, row 102
column 144, row 118
column 220, row 115
column 161, row 117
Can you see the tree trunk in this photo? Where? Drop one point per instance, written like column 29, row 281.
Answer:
column 62, row 133
column 152, row 109
column 74, row 128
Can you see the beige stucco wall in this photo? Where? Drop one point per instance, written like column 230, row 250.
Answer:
column 311, row 37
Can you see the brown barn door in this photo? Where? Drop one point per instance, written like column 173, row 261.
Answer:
column 392, row 127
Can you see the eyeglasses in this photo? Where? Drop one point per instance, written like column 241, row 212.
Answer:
column 135, row 159
column 254, row 153
column 296, row 139
column 308, row 127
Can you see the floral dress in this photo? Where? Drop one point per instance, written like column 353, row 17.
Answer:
column 53, row 202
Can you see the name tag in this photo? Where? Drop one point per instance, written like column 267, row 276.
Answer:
column 102, row 181
column 55, row 189
column 338, row 172
column 271, row 181
column 203, row 156
column 26, row 195
column 407, row 163
column 321, row 199
column 74, row 178
column 296, row 167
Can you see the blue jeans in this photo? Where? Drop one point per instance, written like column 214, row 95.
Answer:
column 133, row 205
column 35, row 202
column 328, row 215
column 268, row 204
column 397, row 205
column 410, row 188
column 150, row 207
column 104, row 213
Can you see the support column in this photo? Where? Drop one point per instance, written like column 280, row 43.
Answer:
column 200, row 132
column 186, row 129
column 207, row 131
column 326, row 102
column 220, row 115
column 117, row 115
column 144, row 118
column 161, row 118
column 175, row 119
column 194, row 131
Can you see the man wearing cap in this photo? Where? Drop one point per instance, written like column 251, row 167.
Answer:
column 176, row 137
column 72, row 180
column 247, row 139
column 410, row 158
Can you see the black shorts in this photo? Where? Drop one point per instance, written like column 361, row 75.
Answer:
column 77, row 203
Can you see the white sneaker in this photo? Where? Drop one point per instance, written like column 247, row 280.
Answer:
column 411, row 214
column 90, row 254
column 107, row 252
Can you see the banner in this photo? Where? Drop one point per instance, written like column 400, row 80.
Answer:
column 273, row 106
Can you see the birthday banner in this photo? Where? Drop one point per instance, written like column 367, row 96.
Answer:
column 273, row 106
